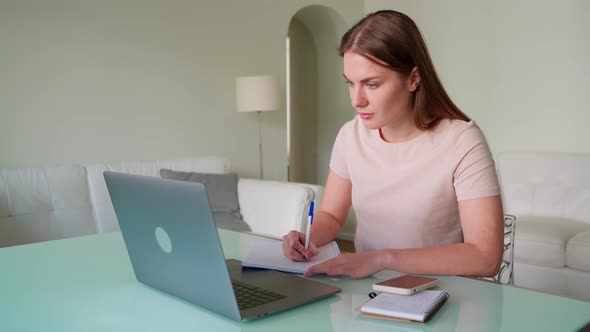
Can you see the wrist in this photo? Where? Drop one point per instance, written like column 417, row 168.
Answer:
column 384, row 259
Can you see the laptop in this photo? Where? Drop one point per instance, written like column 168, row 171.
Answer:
column 173, row 245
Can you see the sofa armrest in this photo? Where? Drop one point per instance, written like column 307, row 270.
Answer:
column 273, row 208
column 317, row 192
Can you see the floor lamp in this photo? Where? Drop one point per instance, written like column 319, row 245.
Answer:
column 258, row 94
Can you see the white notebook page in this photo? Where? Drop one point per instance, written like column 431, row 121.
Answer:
column 269, row 255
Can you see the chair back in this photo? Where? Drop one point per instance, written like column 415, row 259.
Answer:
column 506, row 273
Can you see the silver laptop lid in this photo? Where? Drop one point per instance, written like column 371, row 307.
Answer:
column 172, row 240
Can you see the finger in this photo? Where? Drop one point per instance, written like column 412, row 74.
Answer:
column 317, row 269
column 290, row 245
column 311, row 251
column 291, row 253
column 309, row 272
column 301, row 237
column 297, row 256
column 295, row 243
column 293, row 237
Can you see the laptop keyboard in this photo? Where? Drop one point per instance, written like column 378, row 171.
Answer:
column 249, row 296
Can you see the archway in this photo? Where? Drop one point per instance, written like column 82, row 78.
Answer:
column 317, row 99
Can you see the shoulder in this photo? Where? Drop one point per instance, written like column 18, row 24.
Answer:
column 460, row 132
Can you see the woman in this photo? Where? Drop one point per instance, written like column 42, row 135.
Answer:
column 417, row 171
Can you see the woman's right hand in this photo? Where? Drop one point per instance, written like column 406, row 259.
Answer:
column 294, row 247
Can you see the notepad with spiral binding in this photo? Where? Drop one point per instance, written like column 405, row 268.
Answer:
column 419, row 307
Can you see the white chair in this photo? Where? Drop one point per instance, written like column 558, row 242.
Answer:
column 506, row 273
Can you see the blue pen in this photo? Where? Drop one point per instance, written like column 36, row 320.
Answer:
column 309, row 223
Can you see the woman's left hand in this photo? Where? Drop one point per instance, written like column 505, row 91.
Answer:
column 355, row 266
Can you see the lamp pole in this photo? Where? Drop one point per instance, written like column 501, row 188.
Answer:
column 260, row 94
column 260, row 142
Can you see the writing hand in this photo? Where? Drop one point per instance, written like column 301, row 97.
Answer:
column 294, row 249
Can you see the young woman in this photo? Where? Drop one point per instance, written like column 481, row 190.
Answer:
column 416, row 169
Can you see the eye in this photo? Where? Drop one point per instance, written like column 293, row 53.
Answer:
column 371, row 85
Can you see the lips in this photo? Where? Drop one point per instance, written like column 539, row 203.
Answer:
column 366, row 116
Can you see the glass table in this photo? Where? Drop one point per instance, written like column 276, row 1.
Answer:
column 87, row 284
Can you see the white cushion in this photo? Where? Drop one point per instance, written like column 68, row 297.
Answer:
column 546, row 184
column 104, row 213
column 578, row 251
column 542, row 240
column 41, row 204
column 27, row 191
column 273, row 208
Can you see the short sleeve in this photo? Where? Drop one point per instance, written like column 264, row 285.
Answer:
column 475, row 175
column 338, row 161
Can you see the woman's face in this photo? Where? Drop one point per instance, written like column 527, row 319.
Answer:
column 381, row 96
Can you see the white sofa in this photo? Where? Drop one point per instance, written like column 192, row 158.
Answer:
column 41, row 204
column 549, row 193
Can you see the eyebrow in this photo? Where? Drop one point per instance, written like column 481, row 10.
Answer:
column 365, row 80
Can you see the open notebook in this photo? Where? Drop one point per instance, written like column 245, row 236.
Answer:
column 269, row 255
column 418, row 307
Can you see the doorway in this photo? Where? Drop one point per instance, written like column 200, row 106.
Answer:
column 317, row 98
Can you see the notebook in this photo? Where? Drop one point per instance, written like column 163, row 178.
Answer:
column 269, row 255
column 419, row 307
column 174, row 246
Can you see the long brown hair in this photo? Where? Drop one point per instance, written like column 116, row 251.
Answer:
column 394, row 40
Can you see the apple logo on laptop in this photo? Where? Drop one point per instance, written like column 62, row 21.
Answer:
column 163, row 240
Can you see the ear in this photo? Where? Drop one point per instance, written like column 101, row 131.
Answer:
column 414, row 80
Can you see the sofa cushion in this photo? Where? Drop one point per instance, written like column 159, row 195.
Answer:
column 102, row 208
column 542, row 240
column 578, row 251
column 546, row 184
column 41, row 204
column 222, row 191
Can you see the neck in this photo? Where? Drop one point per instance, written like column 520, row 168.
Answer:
column 401, row 131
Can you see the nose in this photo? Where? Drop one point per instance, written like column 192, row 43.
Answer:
column 357, row 97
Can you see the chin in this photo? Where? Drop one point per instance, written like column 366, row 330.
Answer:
column 371, row 125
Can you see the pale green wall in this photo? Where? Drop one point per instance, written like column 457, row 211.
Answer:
column 93, row 81
column 518, row 67
column 96, row 81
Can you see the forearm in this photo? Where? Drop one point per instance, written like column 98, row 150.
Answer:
column 324, row 229
column 455, row 259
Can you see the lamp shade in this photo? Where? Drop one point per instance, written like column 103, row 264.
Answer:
column 257, row 93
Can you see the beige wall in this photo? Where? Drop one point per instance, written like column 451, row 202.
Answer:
column 518, row 67
column 96, row 81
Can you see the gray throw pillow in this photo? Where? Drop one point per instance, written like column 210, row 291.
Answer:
column 222, row 191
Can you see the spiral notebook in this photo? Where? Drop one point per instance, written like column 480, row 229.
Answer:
column 419, row 307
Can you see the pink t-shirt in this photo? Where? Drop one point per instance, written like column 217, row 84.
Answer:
column 405, row 194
